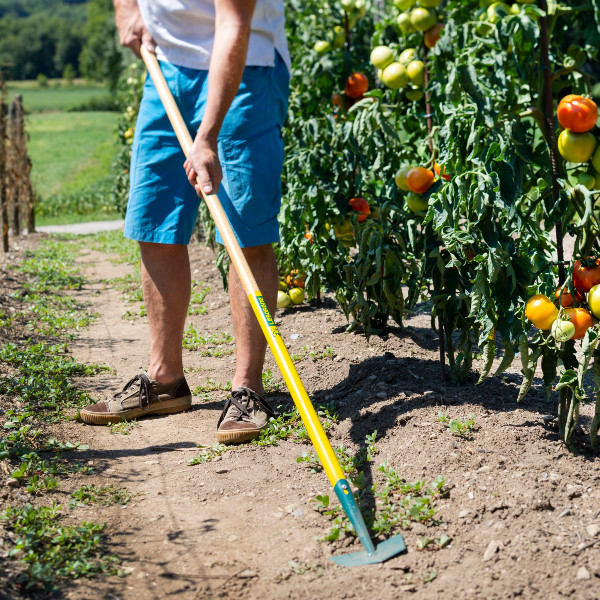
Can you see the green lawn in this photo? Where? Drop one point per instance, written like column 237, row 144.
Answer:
column 57, row 96
column 70, row 150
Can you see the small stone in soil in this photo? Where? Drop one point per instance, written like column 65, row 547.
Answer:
column 583, row 573
column 491, row 550
column 593, row 529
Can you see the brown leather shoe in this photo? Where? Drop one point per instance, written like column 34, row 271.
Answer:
column 140, row 397
column 245, row 415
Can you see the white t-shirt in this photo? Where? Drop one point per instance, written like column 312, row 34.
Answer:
column 184, row 31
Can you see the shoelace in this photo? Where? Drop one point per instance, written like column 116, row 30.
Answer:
column 144, row 393
column 240, row 398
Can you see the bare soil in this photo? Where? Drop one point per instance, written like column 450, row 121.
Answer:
column 523, row 511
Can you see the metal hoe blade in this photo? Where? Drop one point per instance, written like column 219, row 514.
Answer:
column 383, row 552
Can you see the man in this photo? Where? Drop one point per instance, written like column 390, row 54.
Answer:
column 227, row 64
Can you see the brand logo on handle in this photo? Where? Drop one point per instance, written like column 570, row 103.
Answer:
column 265, row 311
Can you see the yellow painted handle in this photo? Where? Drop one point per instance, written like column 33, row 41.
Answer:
column 290, row 375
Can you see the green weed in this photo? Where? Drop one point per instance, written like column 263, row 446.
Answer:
column 288, row 425
column 305, row 353
column 192, row 339
column 199, row 292
column 208, row 454
column 459, row 428
column 53, row 550
column 42, row 378
column 398, row 502
column 123, row 428
column 105, row 496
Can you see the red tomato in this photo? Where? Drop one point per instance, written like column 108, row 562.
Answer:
column 581, row 318
column 577, row 113
column 362, row 206
column 356, row 85
column 586, row 274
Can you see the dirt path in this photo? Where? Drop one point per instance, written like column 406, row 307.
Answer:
column 522, row 511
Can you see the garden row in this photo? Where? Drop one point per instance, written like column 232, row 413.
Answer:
column 422, row 164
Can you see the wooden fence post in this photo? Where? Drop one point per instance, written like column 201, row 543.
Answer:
column 3, row 169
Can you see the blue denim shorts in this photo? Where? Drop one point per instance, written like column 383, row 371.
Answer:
column 163, row 206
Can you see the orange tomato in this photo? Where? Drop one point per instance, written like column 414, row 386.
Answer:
column 541, row 311
column 581, row 318
column 309, row 236
column 336, row 99
column 577, row 113
column 356, row 85
column 294, row 279
column 437, row 168
column 431, row 36
column 565, row 297
column 419, row 179
column 362, row 206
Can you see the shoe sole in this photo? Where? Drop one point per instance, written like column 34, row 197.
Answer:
column 163, row 408
column 238, row 437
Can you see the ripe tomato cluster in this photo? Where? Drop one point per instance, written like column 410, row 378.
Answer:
column 576, row 143
column 417, row 181
column 567, row 320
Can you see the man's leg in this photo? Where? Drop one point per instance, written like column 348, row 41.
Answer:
column 249, row 338
column 166, row 283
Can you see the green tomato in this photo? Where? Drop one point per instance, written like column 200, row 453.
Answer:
column 414, row 94
column 404, row 24
column 283, row 300
column 563, row 330
column 339, row 37
column 381, row 57
column 576, row 147
column 400, row 178
column 586, row 180
column 322, row 47
column 416, row 202
column 423, row 19
column 296, row 295
column 407, row 56
column 394, row 76
column 416, row 72
column 596, row 160
column 593, row 299
column 430, row 3
column 404, row 4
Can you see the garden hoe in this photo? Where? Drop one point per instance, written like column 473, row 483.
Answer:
column 371, row 554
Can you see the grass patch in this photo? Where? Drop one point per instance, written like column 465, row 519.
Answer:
column 113, row 242
column 37, row 381
column 41, row 379
column 58, row 96
column 398, row 502
column 69, row 150
column 104, row 496
column 54, row 550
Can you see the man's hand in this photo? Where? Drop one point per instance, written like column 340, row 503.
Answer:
column 202, row 167
column 132, row 31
